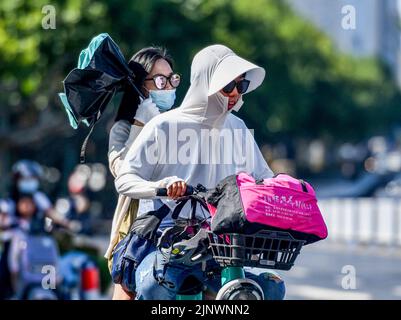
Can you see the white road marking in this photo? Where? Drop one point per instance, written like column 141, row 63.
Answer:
column 298, row 272
column 397, row 291
column 319, row 293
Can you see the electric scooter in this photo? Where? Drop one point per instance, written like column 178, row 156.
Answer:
column 231, row 252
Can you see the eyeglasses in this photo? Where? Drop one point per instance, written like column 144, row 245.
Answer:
column 242, row 86
column 160, row 80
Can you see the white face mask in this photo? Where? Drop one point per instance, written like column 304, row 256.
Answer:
column 28, row 185
column 164, row 99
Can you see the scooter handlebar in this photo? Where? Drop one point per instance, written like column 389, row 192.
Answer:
column 162, row 192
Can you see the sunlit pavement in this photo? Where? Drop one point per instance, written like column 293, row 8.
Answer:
column 323, row 269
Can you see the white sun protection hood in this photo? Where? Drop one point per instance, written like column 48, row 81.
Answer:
column 212, row 69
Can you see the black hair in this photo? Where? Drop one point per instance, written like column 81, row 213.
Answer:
column 141, row 64
column 21, row 196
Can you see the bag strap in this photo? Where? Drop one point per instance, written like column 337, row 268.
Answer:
column 303, row 184
column 160, row 267
column 194, row 201
column 82, row 158
column 261, row 180
column 163, row 253
column 277, row 174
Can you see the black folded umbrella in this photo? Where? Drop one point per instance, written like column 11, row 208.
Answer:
column 102, row 72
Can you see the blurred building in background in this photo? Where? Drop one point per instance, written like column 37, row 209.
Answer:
column 377, row 31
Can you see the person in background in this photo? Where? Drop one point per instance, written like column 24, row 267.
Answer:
column 25, row 210
column 158, row 86
column 6, row 222
column 26, row 181
column 79, row 204
column 26, row 214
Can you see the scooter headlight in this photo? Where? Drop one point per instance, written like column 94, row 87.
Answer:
column 240, row 289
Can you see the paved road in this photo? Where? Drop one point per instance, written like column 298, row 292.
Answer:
column 318, row 273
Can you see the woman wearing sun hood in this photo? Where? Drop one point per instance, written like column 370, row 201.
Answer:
column 172, row 151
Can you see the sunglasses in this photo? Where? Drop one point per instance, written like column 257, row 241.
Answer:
column 160, row 80
column 242, row 86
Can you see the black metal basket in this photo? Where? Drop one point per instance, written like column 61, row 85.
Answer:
column 264, row 249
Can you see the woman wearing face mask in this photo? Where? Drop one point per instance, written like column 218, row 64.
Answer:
column 159, row 86
column 26, row 212
column 26, row 181
column 219, row 79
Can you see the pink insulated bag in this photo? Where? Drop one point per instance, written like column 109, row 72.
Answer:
column 242, row 205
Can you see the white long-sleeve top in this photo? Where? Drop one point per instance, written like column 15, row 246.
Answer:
column 141, row 173
column 122, row 134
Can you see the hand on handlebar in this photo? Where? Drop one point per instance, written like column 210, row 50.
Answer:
column 177, row 190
